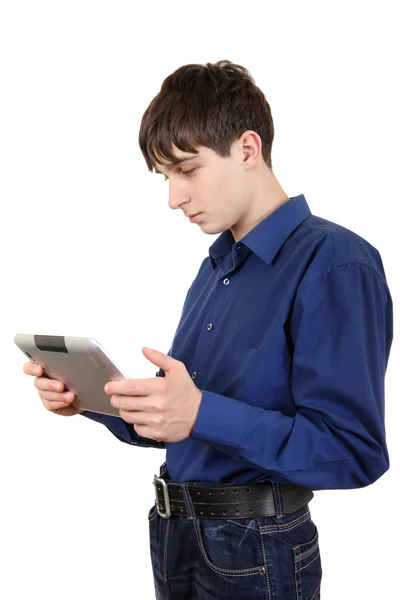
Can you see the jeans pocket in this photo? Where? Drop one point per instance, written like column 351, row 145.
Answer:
column 307, row 569
column 152, row 513
column 228, row 547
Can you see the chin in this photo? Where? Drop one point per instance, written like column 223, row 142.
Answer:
column 211, row 228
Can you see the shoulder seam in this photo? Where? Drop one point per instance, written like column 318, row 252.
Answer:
column 300, row 290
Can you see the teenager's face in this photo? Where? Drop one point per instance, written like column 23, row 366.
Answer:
column 210, row 185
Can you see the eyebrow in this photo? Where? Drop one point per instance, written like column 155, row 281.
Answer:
column 177, row 162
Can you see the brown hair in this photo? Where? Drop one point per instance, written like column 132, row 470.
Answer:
column 205, row 105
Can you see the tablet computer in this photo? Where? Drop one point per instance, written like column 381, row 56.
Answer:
column 79, row 362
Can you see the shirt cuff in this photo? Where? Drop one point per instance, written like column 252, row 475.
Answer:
column 94, row 416
column 221, row 421
column 122, row 430
column 116, row 425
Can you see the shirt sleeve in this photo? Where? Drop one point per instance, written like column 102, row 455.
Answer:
column 341, row 331
column 122, row 430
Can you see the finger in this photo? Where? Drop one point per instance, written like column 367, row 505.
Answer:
column 133, row 417
column 31, row 369
column 135, row 387
column 66, row 397
column 43, row 383
column 131, row 403
column 54, row 406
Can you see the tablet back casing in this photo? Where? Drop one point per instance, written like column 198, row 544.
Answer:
column 79, row 362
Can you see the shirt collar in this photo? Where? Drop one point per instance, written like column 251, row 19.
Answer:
column 268, row 236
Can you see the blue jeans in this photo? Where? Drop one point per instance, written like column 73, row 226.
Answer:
column 269, row 558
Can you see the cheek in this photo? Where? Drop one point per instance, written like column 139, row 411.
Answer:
column 221, row 194
column 224, row 191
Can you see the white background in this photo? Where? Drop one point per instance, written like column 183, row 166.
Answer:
column 90, row 247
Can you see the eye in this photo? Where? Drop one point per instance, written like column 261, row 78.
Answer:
column 189, row 172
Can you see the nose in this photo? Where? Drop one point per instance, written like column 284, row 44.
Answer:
column 177, row 195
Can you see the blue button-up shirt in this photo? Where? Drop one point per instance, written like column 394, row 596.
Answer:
column 287, row 332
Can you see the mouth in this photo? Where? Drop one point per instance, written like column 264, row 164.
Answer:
column 194, row 217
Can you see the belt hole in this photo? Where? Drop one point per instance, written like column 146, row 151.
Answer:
column 210, row 493
column 249, row 491
column 201, row 512
column 212, row 514
column 180, row 491
column 235, row 491
column 250, row 510
column 237, row 512
column 198, row 493
column 222, row 492
column 223, row 512
column 181, row 509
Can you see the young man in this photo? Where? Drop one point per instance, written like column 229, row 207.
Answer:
column 274, row 384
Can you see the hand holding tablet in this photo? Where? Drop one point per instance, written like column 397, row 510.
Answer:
column 55, row 397
column 164, row 409
column 79, row 363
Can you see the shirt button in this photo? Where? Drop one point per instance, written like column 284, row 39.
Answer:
column 238, row 247
column 194, row 374
column 226, row 281
column 209, row 326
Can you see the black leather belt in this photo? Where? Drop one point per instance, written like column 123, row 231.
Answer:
column 228, row 500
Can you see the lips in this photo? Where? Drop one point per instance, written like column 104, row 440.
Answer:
column 195, row 218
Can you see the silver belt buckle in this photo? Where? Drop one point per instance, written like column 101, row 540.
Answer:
column 167, row 512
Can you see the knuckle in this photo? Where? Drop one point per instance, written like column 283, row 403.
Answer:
column 163, row 386
column 159, row 407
